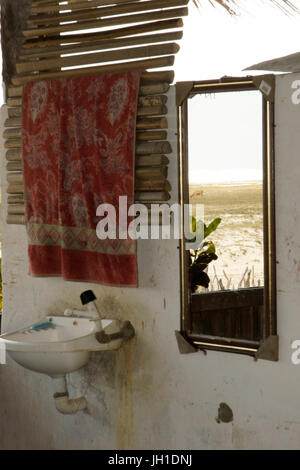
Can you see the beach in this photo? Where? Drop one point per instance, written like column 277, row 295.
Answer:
column 239, row 237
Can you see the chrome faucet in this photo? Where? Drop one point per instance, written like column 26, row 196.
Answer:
column 87, row 298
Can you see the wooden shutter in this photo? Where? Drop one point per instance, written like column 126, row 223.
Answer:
column 93, row 34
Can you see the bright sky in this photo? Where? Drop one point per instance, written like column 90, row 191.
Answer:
column 225, row 137
column 224, row 129
column 216, row 44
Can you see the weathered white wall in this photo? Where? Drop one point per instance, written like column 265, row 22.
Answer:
column 147, row 395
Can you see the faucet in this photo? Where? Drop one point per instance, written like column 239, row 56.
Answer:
column 126, row 330
column 87, row 298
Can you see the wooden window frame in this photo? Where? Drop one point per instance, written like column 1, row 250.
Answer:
column 267, row 347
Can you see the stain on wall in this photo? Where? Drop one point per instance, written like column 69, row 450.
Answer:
column 124, row 384
column 225, row 414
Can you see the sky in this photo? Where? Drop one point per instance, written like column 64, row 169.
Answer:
column 225, row 137
column 215, row 44
column 225, row 129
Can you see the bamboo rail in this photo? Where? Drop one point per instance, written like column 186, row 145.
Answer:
column 92, row 13
column 52, row 52
column 38, row 7
column 119, row 67
column 96, row 36
column 115, row 21
column 97, row 57
column 15, row 219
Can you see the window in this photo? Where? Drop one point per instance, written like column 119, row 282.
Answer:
column 228, row 303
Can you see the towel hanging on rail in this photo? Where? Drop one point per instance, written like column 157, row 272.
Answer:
column 78, row 148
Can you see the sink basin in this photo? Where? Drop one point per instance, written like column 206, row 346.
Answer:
column 57, row 345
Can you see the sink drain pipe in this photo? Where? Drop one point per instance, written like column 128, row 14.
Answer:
column 63, row 403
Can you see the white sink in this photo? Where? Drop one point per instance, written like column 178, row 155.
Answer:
column 57, row 345
column 61, row 345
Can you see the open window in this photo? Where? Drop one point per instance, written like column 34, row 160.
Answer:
column 226, row 153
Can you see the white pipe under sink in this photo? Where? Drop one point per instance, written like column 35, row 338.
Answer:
column 63, row 403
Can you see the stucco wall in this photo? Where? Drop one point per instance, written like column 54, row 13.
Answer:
column 147, row 395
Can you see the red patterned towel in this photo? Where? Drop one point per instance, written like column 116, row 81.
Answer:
column 78, row 152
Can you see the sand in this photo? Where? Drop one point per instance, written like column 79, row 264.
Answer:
column 239, row 237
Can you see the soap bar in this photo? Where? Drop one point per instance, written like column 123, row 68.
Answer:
column 42, row 326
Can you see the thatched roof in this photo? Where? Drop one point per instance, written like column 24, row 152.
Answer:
column 234, row 6
column 288, row 63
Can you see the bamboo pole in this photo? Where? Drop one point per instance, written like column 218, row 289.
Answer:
column 151, row 123
column 152, row 160
column 68, row 39
column 15, row 219
column 98, row 57
column 142, row 124
column 120, row 67
column 14, row 163
column 53, row 7
column 15, row 112
column 13, row 143
column 152, row 185
column 152, row 83
column 144, row 158
column 154, row 89
column 141, row 111
column 151, row 135
column 13, row 155
column 152, row 110
column 152, row 179
column 145, row 90
column 19, row 219
column 140, row 196
column 14, row 166
column 52, row 2
column 15, row 188
column 16, row 177
column 15, row 199
column 92, row 13
column 149, row 196
column 13, row 122
column 52, row 52
column 115, row 21
column 14, row 101
column 151, row 172
column 12, row 133
column 146, row 148
column 148, row 78
column 152, row 100
column 14, row 91
column 16, row 209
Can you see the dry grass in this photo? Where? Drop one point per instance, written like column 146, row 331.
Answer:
column 235, row 6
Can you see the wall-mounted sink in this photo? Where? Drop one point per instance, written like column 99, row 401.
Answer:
column 57, row 345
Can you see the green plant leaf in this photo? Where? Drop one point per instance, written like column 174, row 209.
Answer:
column 205, row 258
column 212, row 227
column 211, row 247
